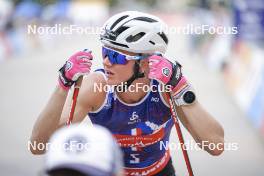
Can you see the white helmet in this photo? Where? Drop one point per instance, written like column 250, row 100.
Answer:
column 136, row 32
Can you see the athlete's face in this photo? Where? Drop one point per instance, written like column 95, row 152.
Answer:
column 117, row 73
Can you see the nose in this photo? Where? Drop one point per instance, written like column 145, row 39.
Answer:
column 106, row 61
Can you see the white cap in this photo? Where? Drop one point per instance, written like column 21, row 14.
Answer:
column 88, row 149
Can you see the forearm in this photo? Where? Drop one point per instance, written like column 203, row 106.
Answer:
column 48, row 120
column 202, row 126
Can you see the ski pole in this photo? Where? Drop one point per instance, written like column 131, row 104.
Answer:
column 179, row 133
column 77, row 86
column 74, row 99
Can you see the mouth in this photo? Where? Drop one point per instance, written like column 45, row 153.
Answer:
column 109, row 73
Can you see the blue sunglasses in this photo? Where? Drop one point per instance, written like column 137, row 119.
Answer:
column 118, row 57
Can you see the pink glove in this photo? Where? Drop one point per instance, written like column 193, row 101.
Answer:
column 77, row 65
column 164, row 71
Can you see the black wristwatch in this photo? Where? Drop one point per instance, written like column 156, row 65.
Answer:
column 187, row 97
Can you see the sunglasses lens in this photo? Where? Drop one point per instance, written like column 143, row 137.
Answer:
column 113, row 56
column 121, row 59
column 104, row 52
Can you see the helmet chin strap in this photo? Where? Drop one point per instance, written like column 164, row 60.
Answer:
column 137, row 74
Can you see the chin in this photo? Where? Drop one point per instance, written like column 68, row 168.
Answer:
column 112, row 81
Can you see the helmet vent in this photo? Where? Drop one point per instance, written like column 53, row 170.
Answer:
column 153, row 43
column 135, row 38
column 119, row 44
column 150, row 20
column 121, row 29
column 164, row 37
column 117, row 21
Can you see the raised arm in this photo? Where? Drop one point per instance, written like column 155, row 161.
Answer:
column 201, row 125
column 55, row 112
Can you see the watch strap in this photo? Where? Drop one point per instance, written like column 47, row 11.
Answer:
column 179, row 101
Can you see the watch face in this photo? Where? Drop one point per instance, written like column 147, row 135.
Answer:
column 189, row 97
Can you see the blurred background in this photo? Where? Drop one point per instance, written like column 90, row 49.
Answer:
column 227, row 71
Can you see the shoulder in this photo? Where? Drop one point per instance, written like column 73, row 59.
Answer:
column 93, row 78
column 89, row 95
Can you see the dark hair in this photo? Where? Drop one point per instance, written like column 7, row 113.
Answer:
column 66, row 172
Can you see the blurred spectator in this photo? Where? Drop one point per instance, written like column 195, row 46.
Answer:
column 5, row 13
column 17, row 15
column 83, row 150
